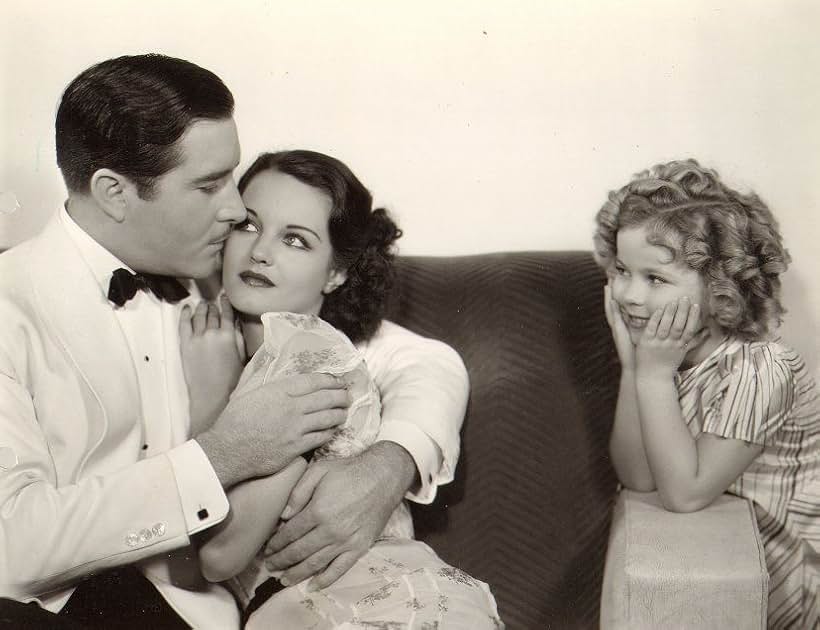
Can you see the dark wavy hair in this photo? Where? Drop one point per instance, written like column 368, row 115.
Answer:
column 731, row 239
column 128, row 114
column 362, row 238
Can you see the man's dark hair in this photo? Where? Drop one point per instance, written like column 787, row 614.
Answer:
column 128, row 113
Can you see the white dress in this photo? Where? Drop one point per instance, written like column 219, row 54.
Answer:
column 399, row 582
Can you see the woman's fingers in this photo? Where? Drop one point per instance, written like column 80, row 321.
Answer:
column 652, row 325
column 185, row 330
column 212, row 318
column 199, row 320
column 228, row 317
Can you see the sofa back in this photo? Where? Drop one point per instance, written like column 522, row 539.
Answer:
column 530, row 508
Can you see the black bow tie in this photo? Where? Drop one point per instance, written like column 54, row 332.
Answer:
column 124, row 285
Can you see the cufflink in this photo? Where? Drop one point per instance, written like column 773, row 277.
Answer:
column 202, row 514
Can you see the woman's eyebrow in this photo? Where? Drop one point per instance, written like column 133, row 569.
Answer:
column 294, row 226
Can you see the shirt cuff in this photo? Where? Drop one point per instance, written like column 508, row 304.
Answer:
column 203, row 500
column 424, row 452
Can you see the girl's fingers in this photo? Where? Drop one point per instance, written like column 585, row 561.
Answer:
column 692, row 324
column 652, row 325
column 682, row 316
column 665, row 322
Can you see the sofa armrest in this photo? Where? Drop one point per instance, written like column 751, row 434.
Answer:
column 701, row 570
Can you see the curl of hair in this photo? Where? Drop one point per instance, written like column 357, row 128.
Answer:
column 357, row 307
column 731, row 239
column 362, row 238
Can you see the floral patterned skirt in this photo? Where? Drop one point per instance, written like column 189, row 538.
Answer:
column 398, row 584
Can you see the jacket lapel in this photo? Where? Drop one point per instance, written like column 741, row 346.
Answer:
column 71, row 302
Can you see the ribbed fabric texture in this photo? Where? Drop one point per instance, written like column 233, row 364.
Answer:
column 530, row 508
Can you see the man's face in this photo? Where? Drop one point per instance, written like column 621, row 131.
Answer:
column 181, row 229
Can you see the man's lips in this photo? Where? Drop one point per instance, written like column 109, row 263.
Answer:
column 253, row 279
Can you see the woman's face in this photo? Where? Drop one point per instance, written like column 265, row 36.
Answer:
column 280, row 258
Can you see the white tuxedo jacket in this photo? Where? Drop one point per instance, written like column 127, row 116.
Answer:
column 75, row 497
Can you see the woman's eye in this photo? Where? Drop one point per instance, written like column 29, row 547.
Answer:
column 209, row 189
column 656, row 280
column 620, row 270
column 295, row 240
column 245, row 226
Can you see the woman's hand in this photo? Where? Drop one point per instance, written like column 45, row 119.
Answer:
column 669, row 335
column 620, row 333
column 211, row 359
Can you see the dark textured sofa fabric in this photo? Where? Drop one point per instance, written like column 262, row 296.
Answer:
column 530, row 508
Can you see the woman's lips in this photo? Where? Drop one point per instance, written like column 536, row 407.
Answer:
column 255, row 279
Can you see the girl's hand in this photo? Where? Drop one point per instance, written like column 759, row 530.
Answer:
column 211, row 359
column 669, row 335
column 620, row 333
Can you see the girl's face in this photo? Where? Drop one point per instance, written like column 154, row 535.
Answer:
column 646, row 279
column 280, row 257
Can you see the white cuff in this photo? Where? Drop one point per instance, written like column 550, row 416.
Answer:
column 425, row 454
column 203, row 500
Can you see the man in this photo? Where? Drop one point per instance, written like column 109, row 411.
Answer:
column 101, row 488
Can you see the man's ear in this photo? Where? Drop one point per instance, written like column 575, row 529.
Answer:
column 335, row 279
column 111, row 191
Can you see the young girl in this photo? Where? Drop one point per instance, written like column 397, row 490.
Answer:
column 708, row 403
column 311, row 246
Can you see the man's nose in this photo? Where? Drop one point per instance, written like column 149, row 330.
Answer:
column 232, row 208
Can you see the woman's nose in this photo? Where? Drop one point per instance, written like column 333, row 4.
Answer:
column 262, row 253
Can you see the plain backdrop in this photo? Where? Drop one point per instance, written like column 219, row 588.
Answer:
column 483, row 126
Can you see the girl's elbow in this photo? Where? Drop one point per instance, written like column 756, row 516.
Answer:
column 682, row 503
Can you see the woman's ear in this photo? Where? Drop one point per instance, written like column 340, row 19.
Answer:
column 336, row 278
column 111, row 190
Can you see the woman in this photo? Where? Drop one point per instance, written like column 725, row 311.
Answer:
column 312, row 246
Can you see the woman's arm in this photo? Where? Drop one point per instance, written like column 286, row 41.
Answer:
column 256, row 507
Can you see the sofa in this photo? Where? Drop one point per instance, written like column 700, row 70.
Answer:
column 530, row 508
column 534, row 510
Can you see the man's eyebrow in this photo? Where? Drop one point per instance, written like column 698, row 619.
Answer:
column 294, row 226
column 212, row 177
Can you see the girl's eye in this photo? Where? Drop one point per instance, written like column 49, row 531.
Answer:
column 296, row 240
column 245, row 226
column 656, row 280
column 620, row 270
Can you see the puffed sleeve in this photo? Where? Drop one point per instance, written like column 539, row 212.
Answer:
column 755, row 396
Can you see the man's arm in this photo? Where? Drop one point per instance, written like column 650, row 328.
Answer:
column 54, row 533
column 339, row 507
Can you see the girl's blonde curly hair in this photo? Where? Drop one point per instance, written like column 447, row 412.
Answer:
column 731, row 239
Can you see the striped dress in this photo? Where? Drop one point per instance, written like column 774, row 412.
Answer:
column 761, row 392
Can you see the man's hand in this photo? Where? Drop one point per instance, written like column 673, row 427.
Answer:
column 339, row 508
column 210, row 358
column 261, row 432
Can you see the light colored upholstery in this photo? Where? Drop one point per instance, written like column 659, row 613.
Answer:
column 699, row 570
